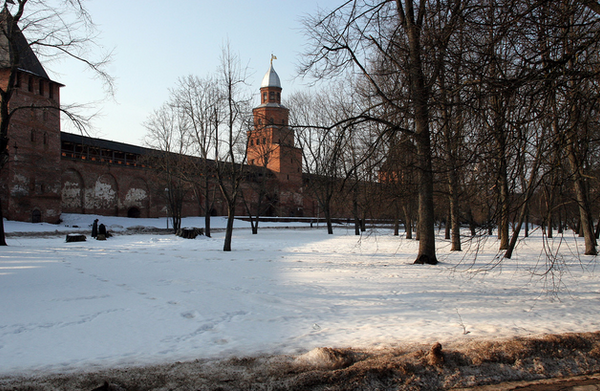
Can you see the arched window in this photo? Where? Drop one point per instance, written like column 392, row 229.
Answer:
column 271, row 96
column 264, row 97
column 134, row 213
column 278, row 97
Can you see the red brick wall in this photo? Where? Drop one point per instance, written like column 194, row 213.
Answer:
column 33, row 173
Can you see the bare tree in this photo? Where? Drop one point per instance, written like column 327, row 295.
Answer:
column 233, row 120
column 323, row 146
column 409, row 39
column 169, row 138
column 198, row 99
column 54, row 29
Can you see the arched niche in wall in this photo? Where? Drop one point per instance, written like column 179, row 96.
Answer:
column 137, row 196
column 106, row 193
column 72, row 192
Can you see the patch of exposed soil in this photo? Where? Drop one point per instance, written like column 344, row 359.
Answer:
column 434, row 367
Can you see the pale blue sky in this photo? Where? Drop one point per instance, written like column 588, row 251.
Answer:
column 157, row 42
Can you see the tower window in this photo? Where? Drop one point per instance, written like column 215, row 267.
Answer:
column 41, row 87
column 271, row 96
column 257, row 141
column 264, row 140
column 260, row 121
column 264, row 97
column 278, row 97
column 30, row 84
column 251, row 142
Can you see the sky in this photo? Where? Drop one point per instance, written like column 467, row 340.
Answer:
column 155, row 43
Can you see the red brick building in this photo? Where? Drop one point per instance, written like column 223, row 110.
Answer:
column 50, row 172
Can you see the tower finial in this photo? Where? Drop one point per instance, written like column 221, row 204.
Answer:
column 273, row 57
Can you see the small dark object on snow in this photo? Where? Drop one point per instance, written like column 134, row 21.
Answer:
column 95, row 228
column 75, row 238
column 436, row 357
column 190, row 233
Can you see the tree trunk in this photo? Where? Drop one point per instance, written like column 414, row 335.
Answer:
column 407, row 222
column 254, row 225
column 454, row 211
column 549, row 231
column 503, row 200
column 515, row 235
column 2, row 233
column 581, row 197
column 426, row 218
column 229, row 227
column 447, row 227
column 327, row 214
column 355, row 213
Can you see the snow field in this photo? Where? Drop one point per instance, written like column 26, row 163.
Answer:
column 145, row 299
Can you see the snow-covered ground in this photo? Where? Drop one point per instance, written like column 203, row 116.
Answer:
column 148, row 298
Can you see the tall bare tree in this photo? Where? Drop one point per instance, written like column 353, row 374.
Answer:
column 409, row 39
column 233, row 120
column 198, row 99
column 168, row 135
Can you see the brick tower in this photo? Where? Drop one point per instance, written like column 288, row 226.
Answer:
column 30, row 184
column 271, row 144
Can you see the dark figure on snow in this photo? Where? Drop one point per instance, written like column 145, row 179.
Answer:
column 102, row 230
column 95, row 228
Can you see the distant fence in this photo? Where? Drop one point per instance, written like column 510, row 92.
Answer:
column 321, row 220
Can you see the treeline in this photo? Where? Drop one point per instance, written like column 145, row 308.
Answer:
column 469, row 112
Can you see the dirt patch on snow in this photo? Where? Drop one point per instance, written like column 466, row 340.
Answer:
column 434, row 367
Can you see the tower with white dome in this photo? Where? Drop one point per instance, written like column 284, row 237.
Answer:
column 271, row 142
